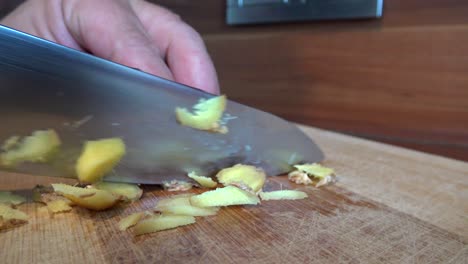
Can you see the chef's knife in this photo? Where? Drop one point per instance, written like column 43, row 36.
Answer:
column 48, row 86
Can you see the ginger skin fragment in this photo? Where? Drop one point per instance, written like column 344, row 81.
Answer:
column 299, row 177
column 177, row 186
column 310, row 174
column 315, row 170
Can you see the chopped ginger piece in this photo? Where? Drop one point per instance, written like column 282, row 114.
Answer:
column 130, row 192
column 98, row 158
column 10, row 217
column 59, row 206
column 10, row 198
column 283, row 195
column 307, row 172
column 43, row 194
column 225, row 196
column 202, row 180
column 162, row 222
column 90, row 198
column 180, row 205
column 315, row 170
column 177, row 186
column 325, row 181
column 174, row 200
column 130, row 220
column 299, row 177
column 38, row 147
column 39, row 191
column 10, row 143
column 206, row 116
column 243, row 175
column 79, row 192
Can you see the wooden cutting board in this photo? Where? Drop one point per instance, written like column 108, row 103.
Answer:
column 390, row 205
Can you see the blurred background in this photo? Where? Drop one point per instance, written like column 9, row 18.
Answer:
column 400, row 79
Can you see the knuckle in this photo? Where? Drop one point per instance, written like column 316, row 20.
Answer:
column 169, row 15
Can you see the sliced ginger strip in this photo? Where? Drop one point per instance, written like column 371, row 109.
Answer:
column 180, row 205
column 162, row 222
column 283, row 195
column 130, row 220
column 130, row 192
column 225, row 196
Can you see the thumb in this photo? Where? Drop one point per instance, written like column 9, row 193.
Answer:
column 110, row 29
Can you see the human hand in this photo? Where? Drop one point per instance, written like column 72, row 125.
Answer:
column 135, row 33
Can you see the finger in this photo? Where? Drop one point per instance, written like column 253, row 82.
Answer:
column 109, row 29
column 41, row 19
column 183, row 47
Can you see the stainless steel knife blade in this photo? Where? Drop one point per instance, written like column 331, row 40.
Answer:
column 48, row 86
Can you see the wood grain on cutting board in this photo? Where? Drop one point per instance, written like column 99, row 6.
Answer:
column 390, row 206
